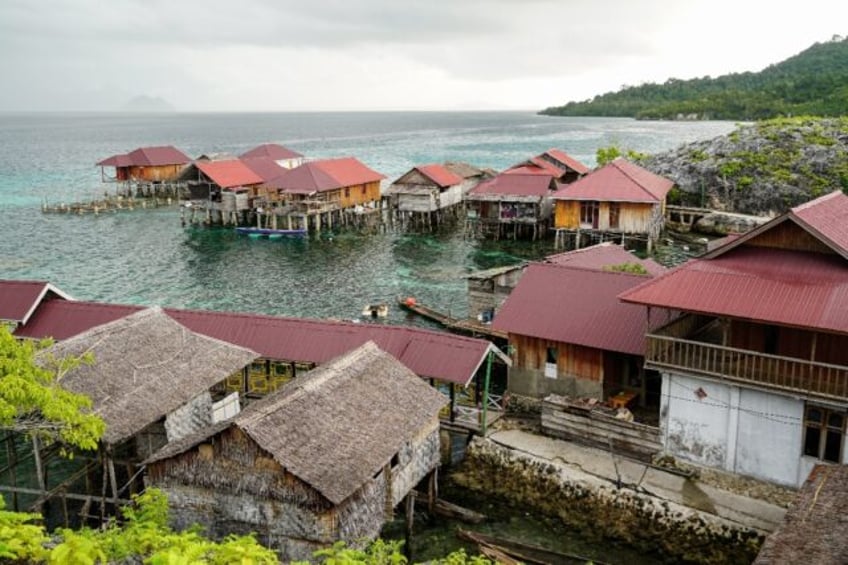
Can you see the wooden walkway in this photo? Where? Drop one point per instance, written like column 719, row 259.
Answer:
column 454, row 324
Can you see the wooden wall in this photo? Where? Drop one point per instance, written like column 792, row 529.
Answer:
column 789, row 235
column 152, row 174
column 572, row 360
column 789, row 342
column 359, row 194
column 633, row 217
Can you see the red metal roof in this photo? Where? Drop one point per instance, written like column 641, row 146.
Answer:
column 326, row 174
column 19, row 299
column 515, row 184
column 826, row 216
column 567, row 160
column 791, row 288
column 603, row 255
column 544, row 169
column 228, row 174
column 428, row 353
column 266, row 167
column 148, row 157
column 618, row 181
column 439, row 175
column 271, row 151
column 577, row 306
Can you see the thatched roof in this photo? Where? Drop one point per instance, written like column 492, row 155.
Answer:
column 338, row 425
column 146, row 365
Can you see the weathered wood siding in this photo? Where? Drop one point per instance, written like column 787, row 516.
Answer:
column 789, row 342
column 787, row 235
column 579, row 369
column 567, row 214
column 351, row 196
column 416, row 459
column 564, row 420
column 634, row 218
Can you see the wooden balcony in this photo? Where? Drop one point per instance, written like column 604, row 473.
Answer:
column 688, row 345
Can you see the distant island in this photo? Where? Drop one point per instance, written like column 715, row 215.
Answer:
column 813, row 82
column 144, row 103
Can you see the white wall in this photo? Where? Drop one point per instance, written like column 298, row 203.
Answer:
column 740, row 430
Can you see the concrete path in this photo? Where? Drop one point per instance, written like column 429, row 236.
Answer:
column 592, row 465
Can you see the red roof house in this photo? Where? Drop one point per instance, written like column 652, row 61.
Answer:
column 559, row 164
column 274, row 152
column 20, row 299
column 511, row 204
column 426, row 189
column 153, row 164
column 620, row 197
column 767, row 311
column 603, row 256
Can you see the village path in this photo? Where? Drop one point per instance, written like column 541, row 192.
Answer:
column 592, row 466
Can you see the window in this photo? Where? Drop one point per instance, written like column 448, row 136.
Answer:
column 589, row 213
column 824, row 430
column 347, row 193
column 614, row 212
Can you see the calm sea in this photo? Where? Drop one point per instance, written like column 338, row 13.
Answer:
column 146, row 257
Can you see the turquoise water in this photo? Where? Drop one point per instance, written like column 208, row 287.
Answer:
column 146, row 257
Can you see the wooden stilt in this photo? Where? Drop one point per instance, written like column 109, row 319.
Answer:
column 39, row 469
column 410, row 519
column 432, row 491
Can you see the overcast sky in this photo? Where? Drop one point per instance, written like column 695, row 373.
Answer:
column 285, row 55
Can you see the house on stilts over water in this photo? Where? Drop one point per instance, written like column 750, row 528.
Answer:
column 620, row 201
column 220, row 191
column 146, row 171
column 151, row 382
column 428, row 195
column 326, row 458
column 282, row 156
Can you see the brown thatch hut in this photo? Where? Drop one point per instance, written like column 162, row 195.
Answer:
column 325, row 458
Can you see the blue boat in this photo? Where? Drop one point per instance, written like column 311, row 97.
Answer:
column 270, row 233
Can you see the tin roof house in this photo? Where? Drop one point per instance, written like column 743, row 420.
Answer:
column 755, row 369
column 282, row 156
column 325, row 458
column 148, row 169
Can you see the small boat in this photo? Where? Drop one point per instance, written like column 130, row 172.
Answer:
column 512, row 552
column 270, row 233
column 376, row 310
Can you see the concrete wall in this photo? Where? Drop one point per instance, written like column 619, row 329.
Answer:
column 736, row 429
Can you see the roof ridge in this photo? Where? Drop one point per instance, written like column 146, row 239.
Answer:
column 631, row 177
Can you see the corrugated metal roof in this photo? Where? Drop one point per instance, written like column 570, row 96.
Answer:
column 148, row 157
column 439, row 175
column 828, row 217
column 618, row 181
column 567, row 160
column 271, row 151
column 577, row 306
column 19, row 299
column 791, row 288
column 326, row 174
column 515, row 184
column 601, row 256
column 428, row 353
column 266, row 167
column 229, row 174
column 529, row 168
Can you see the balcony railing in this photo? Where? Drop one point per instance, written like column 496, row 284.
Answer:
column 745, row 366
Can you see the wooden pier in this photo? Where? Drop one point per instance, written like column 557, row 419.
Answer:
column 471, row 327
column 106, row 204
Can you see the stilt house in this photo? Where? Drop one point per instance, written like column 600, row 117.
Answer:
column 282, row 156
column 755, row 370
column 221, row 190
column 151, row 381
column 326, row 458
column 427, row 194
column 326, row 192
column 621, row 199
column 511, row 205
column 559, row 164
column 145, row 167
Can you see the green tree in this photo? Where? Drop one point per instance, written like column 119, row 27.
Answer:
column 32, row 400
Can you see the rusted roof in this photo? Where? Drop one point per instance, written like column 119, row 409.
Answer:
column 428, row 353
column 618, row 181
column 576, row 306
column 326, row 174
column 439, row 175
column 147, row 157
column 601, row 256
column 567, row 160
column 229, row 174
column 813, row 529
column 777, row 286
column 266, row 167
column 515, row 184
column 20, row 299
column 271, row 151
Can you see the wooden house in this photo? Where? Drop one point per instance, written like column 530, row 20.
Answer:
column 570, row 335
column 559, row 164
column 514, row 204
column 755, row 369
column 324, row 459
column 151, row 382
column 220, row 191
column 428, row 194
column 327, row 192
column 620, row 200
column 282, row 156
column 147, row 169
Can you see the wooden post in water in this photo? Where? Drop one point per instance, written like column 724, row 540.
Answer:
column 410, row 518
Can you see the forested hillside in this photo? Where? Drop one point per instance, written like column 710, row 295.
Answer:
column 814, row 82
